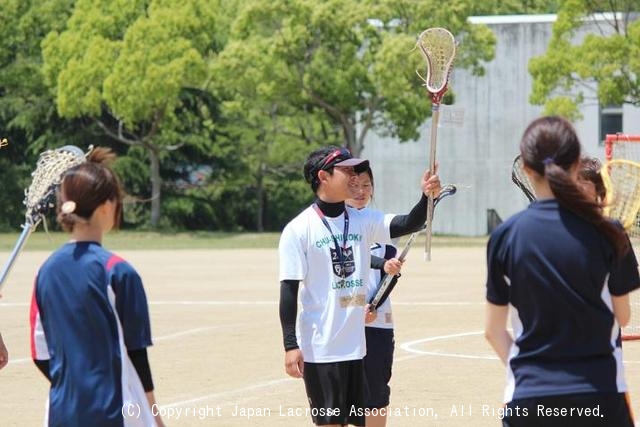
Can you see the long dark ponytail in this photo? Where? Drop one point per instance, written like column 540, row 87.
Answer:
column 550, row 146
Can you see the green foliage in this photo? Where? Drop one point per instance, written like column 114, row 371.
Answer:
column 126, row 56
column 27, row 115
column 125, row 65
column 601, row 65
column 295, row 75
column 330, row 59
column 513, row 7
column 12, row 194
column 407, row 17
column 241, row 89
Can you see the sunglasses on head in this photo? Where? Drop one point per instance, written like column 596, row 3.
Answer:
column 342, row 152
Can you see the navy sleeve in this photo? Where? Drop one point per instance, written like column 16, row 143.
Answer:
column 377, row 263
column 624, row 276
column 131, row 304
column 497, row 286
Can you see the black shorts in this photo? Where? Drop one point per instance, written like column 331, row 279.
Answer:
column 377, row 366
column 336, row 392
column 589, row 410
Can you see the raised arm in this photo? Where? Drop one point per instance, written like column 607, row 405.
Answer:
column 414, row 220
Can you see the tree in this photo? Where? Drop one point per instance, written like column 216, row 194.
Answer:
column 334, row 58
column 28, row 117
column 298, row 74
column 510, row 7
column 601, row 66
column 271, row 136
column 123, row 65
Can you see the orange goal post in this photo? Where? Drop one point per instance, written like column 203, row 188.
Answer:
column 625, row 148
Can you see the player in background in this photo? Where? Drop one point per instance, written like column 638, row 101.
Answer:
column 591, row 179
column 565, row 273
column 89, row 316
column 327, row 248
column 378, row 361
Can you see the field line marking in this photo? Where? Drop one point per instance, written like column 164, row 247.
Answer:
column 266, row 302
column 223, row 394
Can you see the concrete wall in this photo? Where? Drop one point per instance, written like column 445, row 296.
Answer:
column 478, row 155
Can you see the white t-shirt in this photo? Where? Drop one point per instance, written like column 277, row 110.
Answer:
column 384, row 319
column 331, row 319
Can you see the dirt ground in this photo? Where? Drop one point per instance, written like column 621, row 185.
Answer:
column 218, row 358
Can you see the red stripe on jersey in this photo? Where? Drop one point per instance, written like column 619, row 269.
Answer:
column 113, row 260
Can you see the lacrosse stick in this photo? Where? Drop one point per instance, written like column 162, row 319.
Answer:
column 385, row 284
column 40, row 196
column 3, row 142
column 521, row 180
column 438, row 47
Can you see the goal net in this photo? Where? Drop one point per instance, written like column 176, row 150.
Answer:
column 622, row 153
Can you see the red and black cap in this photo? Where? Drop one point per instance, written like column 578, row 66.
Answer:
column 343, row 158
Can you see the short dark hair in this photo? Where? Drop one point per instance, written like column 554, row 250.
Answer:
column 314, row 164
column 326, row 159
column 590, row 171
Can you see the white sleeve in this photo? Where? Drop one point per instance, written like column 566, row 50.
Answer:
column 292, row 254
column 39, row 347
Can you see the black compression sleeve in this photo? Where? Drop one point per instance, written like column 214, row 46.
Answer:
column 405, row 224
column 43, row 366
column 289, row 312
column 141, row 363
column 377, row 263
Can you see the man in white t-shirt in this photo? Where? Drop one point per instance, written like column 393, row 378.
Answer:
column 327, row 248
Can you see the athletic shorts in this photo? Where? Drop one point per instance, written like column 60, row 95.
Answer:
column 579, row 410
column 336, row 392
column 377, row 366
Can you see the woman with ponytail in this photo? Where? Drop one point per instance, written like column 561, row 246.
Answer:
column 89, row 315
column 565, row 272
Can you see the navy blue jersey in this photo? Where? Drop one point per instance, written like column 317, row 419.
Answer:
column 88, row 309
column 558, row 273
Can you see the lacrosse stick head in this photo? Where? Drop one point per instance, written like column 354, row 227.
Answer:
column 622, row 182
column 446, row 191
column 438, row 47
column 521, row 180
column 51, row 166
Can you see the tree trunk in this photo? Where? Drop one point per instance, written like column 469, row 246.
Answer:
column 260, row 196
column 353, row 143
column 156, row 185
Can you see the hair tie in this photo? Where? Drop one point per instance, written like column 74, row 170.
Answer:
column 547, row 161
column 68, row 207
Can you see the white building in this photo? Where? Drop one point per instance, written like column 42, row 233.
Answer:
column 478, row 155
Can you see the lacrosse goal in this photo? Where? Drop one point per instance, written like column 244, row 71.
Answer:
column 626, row 147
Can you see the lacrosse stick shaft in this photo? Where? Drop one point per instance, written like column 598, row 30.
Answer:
column 26, row 231
column 446, row 191
column 435, row 116
column 389, row 277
